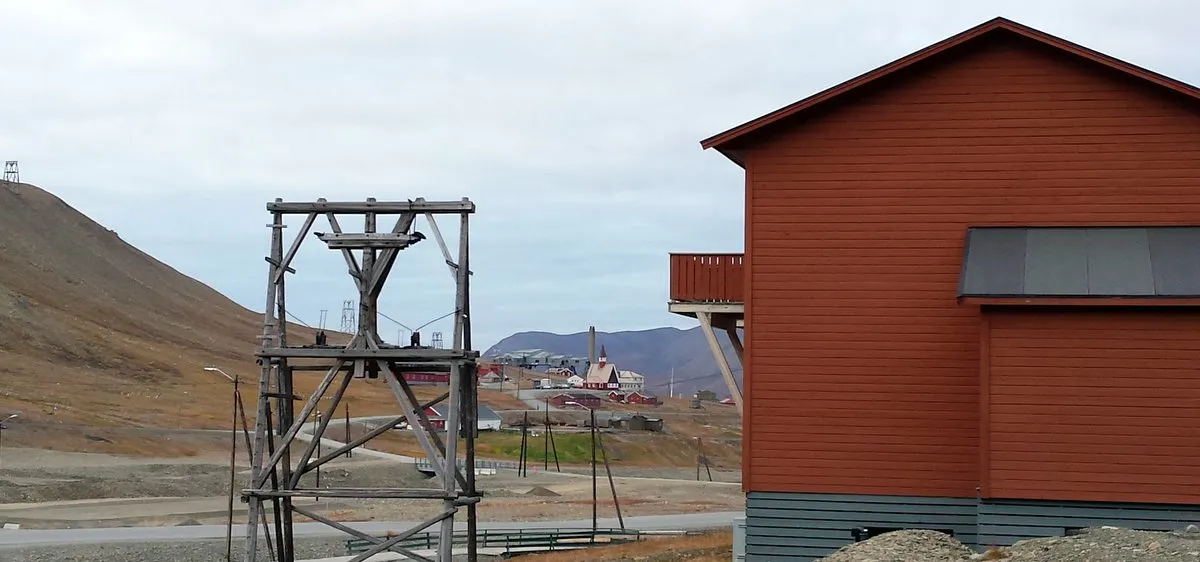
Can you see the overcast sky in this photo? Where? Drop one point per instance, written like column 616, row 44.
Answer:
column 573, row 125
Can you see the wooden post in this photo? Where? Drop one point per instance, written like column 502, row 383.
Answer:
column 554, row 448
column 611, row 485
column 522, row 466
column 546, row 442
column 347, row 428
column 594, row 505
column 706, row 326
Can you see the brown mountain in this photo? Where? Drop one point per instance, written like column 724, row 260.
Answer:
column 98, row 339
column 94, row 330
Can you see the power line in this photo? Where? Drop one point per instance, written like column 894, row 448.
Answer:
column 399, row 323
column 418, row 329
column 298, row 320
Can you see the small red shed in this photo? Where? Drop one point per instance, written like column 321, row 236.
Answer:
column 971, row 287
column 642, row 397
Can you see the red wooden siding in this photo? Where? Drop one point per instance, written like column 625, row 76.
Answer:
column 1093, row 405
column 862, row 369
column 707, row 277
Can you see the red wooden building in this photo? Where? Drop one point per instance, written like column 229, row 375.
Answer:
column 569, row 399
column 969, row 292
column 648, row 398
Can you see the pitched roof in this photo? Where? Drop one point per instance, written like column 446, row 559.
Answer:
column 723, row 141
column 602, row 373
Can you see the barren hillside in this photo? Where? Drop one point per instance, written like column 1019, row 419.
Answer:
column 93, row 330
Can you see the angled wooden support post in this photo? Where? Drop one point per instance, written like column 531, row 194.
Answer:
column 731, row 330
column 706, row 326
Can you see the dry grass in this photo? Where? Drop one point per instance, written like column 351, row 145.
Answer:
column 709, row 547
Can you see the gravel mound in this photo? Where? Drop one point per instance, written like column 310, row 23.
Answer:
column 1099, row 544
column 904, row 546
column 542, row 491
column 1109, row 544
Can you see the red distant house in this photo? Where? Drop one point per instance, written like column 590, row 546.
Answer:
column 648, row 398
column 616, row 396
column 583, row 398
column 971, row 298
column 426, row 378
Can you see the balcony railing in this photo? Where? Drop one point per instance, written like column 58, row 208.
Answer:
column 707, row 277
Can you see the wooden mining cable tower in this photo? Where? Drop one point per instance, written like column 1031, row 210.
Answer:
column 370, row 256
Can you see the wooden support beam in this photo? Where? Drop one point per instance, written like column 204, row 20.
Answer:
column 706, row 326
column 731, row 330
column 377, row 207
column 374, row 240
column 295, row 247
column 414, row 356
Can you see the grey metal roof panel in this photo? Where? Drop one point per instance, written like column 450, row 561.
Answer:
column 1127, row 262
column 1118, row 262
column 1056, row 262
column 998, row 263
column 1175, row 253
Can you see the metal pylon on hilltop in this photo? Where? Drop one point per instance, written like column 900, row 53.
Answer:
column 369, row 256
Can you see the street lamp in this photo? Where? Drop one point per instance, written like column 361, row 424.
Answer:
column 3, row 423
column 232, row 458
column 217, row 370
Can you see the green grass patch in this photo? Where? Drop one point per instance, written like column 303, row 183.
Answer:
column 571, row 447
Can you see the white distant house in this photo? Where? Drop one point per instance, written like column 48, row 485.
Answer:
column 575, row 381
column 631, row 381
column 486, row 419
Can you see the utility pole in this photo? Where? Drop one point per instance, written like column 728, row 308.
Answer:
column 546, row 441
column 594, row 499
column 4, row 425
column 317, row 438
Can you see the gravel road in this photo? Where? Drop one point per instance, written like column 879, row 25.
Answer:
column 189, row 551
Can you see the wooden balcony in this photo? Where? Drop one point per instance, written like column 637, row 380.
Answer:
column 707, row 278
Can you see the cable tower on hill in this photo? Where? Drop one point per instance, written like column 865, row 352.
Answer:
column 12, row 172
column 348, row 323
column 281, row 463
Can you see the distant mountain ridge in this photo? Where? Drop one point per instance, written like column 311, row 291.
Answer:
column 652, row 353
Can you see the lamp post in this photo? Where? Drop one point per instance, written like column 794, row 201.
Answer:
column 4, row 424
column 232, row 460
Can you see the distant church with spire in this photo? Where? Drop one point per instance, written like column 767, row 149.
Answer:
column 602, row 375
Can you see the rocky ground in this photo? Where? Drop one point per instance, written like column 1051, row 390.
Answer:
column 41, row 489
column 1103, row 544
column 190, row 551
